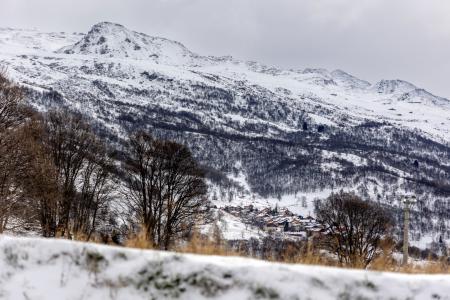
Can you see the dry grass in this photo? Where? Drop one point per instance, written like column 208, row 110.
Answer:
column 139, row 240
column 383, row 263
column 199, row 244
column 386, row 262
column 214, row 244
column 315, row 258
column 429, row 267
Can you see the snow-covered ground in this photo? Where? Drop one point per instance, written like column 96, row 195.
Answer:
column 232, row 228
column 57, row 269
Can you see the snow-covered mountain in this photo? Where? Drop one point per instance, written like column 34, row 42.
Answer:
column 127, row 59
column 114, row 40
column 259, row 130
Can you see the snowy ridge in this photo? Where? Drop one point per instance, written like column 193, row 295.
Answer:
column 393, row 87
column 348, row 80
column 116, row 41
column 423, row 96
column 88, row 271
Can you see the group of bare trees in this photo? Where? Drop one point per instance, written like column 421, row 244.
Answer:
column 166, row 189
column 53, row 170
column 83, row 170
column 57, row 174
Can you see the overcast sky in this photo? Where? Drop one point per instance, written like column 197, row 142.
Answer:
column 372, row 39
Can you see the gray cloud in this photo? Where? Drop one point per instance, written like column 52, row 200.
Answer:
column 373, row 39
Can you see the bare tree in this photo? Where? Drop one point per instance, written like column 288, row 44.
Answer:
column 143, row 168
column 83, row 171
column 10, row 168
column 355, row 227
column 96, row 187
column 184, row 192
column 11, row 117
column 166, row 188
column 40, row 188
column 11, row 97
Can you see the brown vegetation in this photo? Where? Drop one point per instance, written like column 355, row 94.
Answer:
column 53, row 170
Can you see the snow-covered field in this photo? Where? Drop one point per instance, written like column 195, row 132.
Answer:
column 56, row 269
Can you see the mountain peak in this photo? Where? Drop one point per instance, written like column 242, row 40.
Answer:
column 108, row 39
column 102, row 25
column 393, row 87
column 115, row 40
column 422, row 96
column 349, row 81
column 108, row 28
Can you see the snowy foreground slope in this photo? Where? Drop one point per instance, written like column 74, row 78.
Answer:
column 57, row 269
